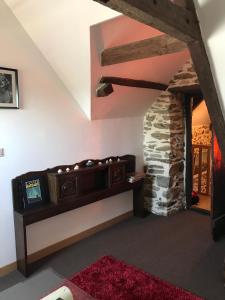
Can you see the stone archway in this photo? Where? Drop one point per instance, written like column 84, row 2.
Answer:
column 164, row 147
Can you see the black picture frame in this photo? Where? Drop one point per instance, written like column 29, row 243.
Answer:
column 9, row 88
column 34, row 191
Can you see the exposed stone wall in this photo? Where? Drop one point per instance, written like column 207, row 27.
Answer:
column 185, row 77
column 164, row 133
column 201, row 135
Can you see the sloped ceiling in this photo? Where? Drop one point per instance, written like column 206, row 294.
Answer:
column 61, row 31
column 70, row 36
column 126, row 101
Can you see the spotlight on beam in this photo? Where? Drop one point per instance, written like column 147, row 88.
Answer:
column 104, row 89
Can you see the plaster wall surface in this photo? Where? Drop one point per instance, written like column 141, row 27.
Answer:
column 72, row 34
column 61, row 29
column 50, row 129
column 200, row 115
column 212, row 22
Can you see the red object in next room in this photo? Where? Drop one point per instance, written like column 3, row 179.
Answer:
column 217, row 155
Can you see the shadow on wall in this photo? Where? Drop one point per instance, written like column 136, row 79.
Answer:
column 215, row 19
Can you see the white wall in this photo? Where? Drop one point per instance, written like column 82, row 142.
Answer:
column 50, row 129
column 61, row 29
column 212, row 21
column 200, row 115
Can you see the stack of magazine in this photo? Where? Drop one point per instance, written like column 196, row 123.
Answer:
column 135, row 177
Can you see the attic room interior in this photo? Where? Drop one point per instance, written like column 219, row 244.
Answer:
column 112, row 151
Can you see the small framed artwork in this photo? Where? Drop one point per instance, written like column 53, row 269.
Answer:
column 34, row 191
column 9, row 91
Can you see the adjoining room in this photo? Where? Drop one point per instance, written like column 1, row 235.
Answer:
column 202, row 156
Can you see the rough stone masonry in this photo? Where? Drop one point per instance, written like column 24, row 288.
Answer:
column 164, row 136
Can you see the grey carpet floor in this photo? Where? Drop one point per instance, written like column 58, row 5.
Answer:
column 34, row 288
column 178, row 249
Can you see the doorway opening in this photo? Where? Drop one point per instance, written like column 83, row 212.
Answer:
column 205, row 168
column 201, row 157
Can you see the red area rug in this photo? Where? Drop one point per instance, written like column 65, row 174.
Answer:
column 112, row 279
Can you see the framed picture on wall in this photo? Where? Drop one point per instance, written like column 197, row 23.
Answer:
column 9, row 91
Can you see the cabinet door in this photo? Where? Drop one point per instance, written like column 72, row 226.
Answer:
column 117, row 173
column 67, row 187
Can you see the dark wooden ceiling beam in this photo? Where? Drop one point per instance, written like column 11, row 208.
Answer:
column 105, row 85
column 182, row 3
column 155, row 46
column 193, row 89
column 191, row 6
column 161, row 14
column 134, row 83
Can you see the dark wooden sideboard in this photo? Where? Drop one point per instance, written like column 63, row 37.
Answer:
column 70, row 190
